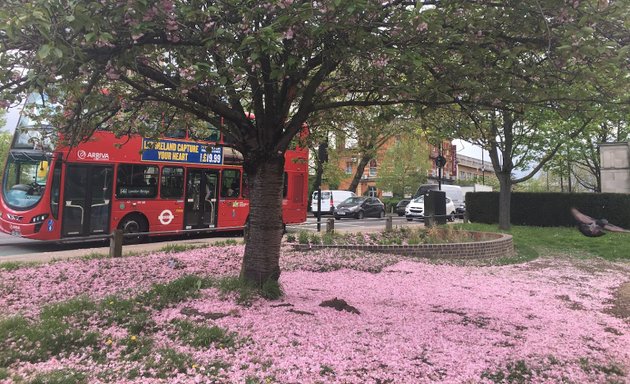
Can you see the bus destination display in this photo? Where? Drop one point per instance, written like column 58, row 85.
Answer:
column 180, row 152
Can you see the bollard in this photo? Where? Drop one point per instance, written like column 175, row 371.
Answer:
column 388, row 224
column 115, row 243
column 330, row 226
column 429, row 221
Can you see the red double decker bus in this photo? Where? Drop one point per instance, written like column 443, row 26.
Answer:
column 134, row 184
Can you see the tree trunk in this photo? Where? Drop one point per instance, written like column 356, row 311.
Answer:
column 261, row 261
column 505, row 197
column 359, row 173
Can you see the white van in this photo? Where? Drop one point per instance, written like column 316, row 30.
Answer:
column 453, row 192
column 330, row 200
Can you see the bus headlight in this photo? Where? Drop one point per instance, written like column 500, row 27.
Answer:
column 39, row 218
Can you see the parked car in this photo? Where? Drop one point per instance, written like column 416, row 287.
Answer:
column 400, row 207
column 415, row 209
column 330, row 200
column 460, row 211
column 453, row 192
column 360, row 207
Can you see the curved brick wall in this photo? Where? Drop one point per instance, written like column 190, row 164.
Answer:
column 485, row 246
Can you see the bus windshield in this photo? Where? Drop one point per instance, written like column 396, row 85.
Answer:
column 24, row 182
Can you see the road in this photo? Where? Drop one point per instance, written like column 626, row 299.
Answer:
column 18, row 249
column 366, row 224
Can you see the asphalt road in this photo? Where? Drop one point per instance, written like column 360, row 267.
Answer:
column 18, row 249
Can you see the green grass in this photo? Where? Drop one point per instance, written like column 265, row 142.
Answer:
column 201, row 336
column 532, row 242
column 225, row 243
column 515, row 372
column 94, row 256
column 245, row 293
column 171, row 361
column 162, row 295
column 13, row 265
column 62, row 329
column 40, row 340
column 61, row 376
column 175, row 247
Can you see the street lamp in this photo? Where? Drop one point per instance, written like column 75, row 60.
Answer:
column 483, row 169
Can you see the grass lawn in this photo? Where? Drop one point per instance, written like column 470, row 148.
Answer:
column 554, row 315
column 532, row 242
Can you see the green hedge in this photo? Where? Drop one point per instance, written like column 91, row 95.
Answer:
column 549, row 209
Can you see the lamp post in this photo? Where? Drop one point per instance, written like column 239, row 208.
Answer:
column 322, row 155
column 440, row 162
column 483, row 169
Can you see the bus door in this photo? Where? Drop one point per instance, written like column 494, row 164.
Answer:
column 86, row 200
column 200, row 209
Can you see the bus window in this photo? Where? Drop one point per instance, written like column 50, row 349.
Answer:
column 172, row 183
column 136, row 181
column 230, row 183
column 24, row 181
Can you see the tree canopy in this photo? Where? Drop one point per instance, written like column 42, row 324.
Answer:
column 404, row 166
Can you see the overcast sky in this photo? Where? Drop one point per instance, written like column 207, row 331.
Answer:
column 468, row 149
column 11, row 117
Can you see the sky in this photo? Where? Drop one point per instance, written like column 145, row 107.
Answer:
column 468, row 149
column 11, row 118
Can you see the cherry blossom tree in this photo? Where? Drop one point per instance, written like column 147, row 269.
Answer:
column 282, row 60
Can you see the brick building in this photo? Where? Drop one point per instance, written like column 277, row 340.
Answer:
column 349, row 160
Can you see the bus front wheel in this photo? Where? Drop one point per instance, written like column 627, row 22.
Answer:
column 133, row 224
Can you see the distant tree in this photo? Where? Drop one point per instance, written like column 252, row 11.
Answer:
column 404, row 166
column 326, row 126
column 498, row 106
column 518, row 142
column 369, row 129
column 5, row 144
column 578, row 164
column 333, row 174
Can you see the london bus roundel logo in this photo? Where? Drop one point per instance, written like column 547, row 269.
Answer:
column 81, row 154
column 166, row 216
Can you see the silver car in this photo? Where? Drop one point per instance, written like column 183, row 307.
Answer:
column 415, row 209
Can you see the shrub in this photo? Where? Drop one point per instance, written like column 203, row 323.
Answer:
column 303, row 237
column 314, row 238
column 328, row 238
column 549, row 209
